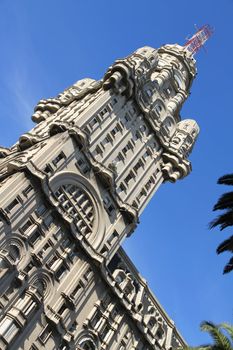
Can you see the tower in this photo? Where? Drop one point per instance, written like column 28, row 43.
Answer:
column 72, row 189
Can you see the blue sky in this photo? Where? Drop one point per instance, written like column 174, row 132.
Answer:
column 49, row 44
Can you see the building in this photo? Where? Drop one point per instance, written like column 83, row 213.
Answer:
column 72, row 189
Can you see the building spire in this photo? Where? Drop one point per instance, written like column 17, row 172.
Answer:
column 197, row 41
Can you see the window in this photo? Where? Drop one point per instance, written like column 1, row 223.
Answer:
column 98, row 150
column 115, row 130
column 78, row 205
column 87, row 345
column 127, row 148
column 53, row 261
column 61, row 272
column 87, row 274
column 108, row 205
column 34, row 237
column 45, row 334
column 137, row 166
column 96, row 318
column 127, row 118
column 107, row 140
column 103, row 112
column 26, row 226
column 122, row 187
column 76, row 290
column 48, row 221
column 87, row 130
column 149, row 92
column 142, row 128
column 147, row 154
column 13, row 204
column 82, row 165
column 93, row 122
column 158, row 108
column 129, row 177
column 61, row 156
column 138, row 135
column 48, row 169
column 41, row 209
column 120, row 157
column 62, row 309
column 27, row 190
column 104, row 332
column 113, row 237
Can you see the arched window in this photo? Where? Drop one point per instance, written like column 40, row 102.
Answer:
column 78, row 205
column 87, row 345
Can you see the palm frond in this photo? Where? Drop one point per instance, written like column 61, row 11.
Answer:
column 223, row 220
column 221, row 342
column 226, row 245
column 229, row 328
column 229, row 266
column 224, row 202
column 226, row 180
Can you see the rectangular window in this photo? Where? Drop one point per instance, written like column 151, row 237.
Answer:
column 122, row 187
column 12, row 205
column 127, row 118
column 138, row 135
column 45, row 334
column 98, row 150
column 137, row 166
column 48, row 169
column 87, row 275
column 113, row 237
column 53, row 261
column 60, row 158
column 129, row 177
column 82, row 165
column 33, row 239
column 61, row 272
column 28, row 225
column 116, row 129
column 62, row 309
column 87, row 130
column 120, row 157
column 58, row 235
column 48, row 221
column 76, row 291
column 103, row 112
column 93, row 122
column 27, row 190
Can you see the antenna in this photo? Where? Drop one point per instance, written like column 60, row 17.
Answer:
column 197, row 41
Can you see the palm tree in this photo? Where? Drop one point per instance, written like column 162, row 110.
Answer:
column 224, row 220
column 222, row 336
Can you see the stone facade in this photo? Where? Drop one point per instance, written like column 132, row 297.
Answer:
column 73, row 188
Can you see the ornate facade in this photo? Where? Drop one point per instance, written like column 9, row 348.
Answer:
column 73, row 188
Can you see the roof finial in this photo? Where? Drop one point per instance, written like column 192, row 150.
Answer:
column 198, row 39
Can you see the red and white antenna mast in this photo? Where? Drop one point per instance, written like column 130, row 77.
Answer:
column 197, row 41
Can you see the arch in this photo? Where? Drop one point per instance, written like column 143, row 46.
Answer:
column 87, row 340
column 42, row 281
column 14, row 249
column 81, row 204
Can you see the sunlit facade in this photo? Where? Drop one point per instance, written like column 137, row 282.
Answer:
column 73, row 188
